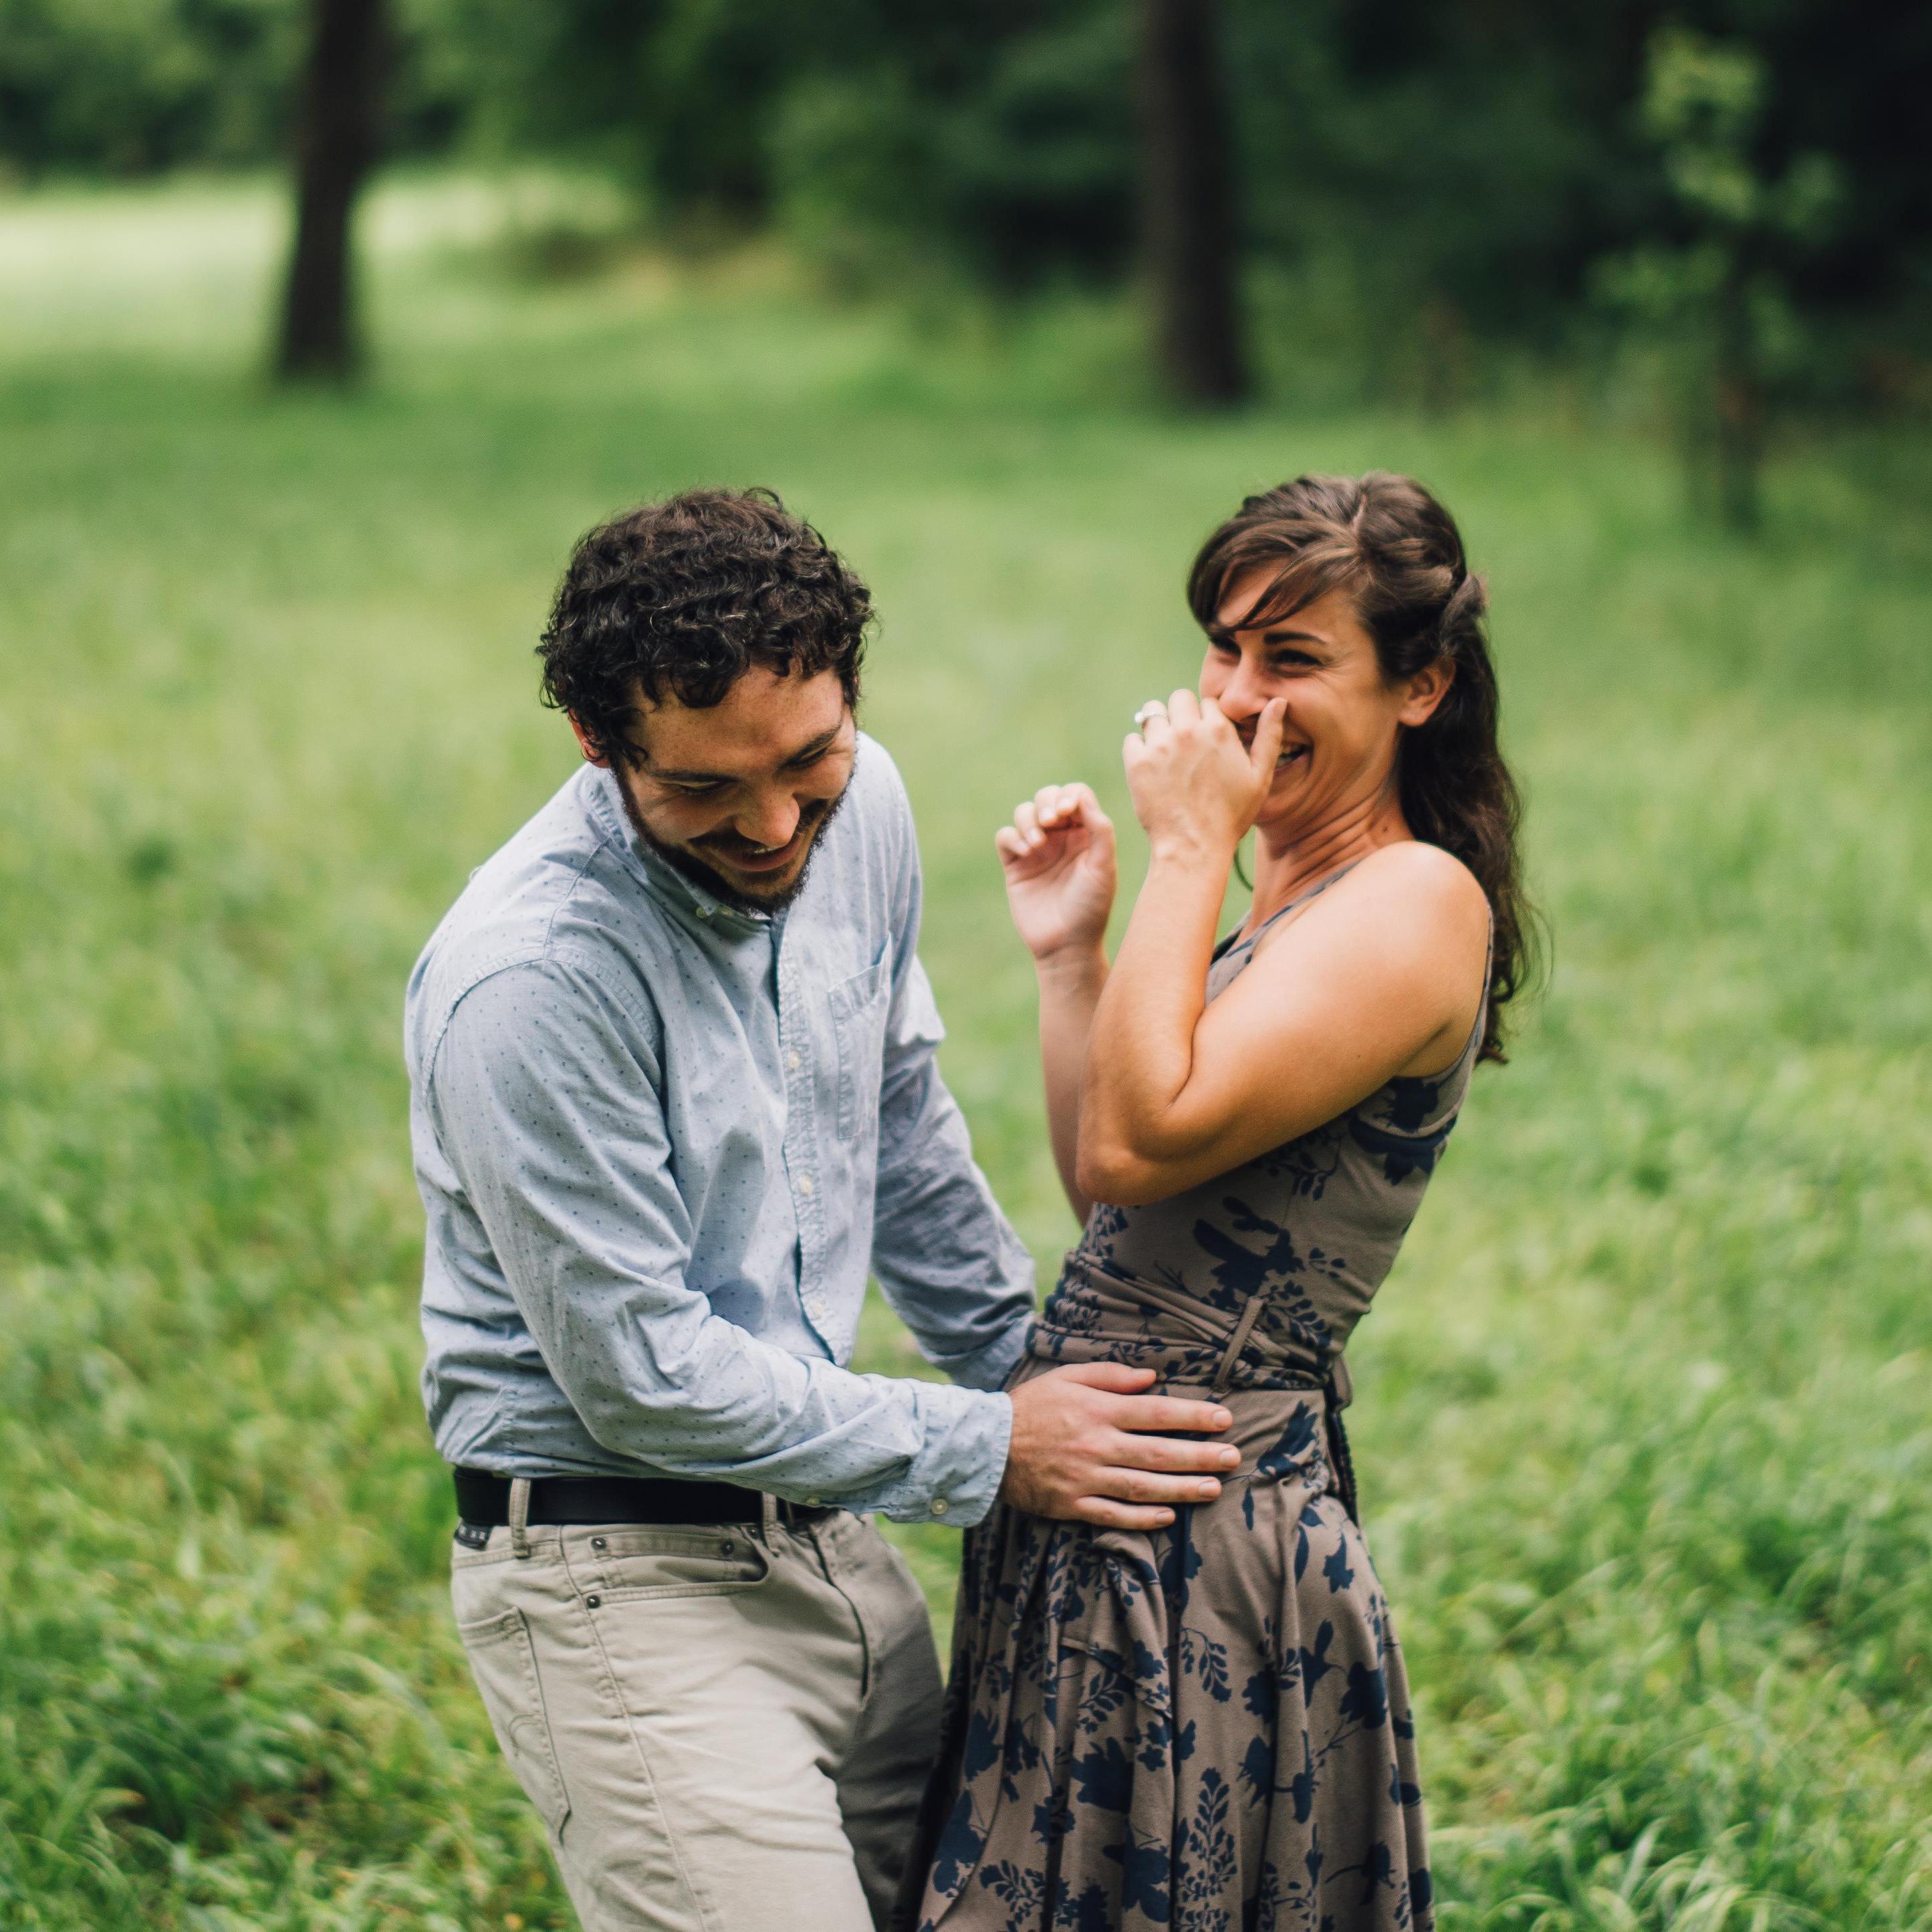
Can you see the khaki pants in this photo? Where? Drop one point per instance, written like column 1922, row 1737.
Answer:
column 725, row 1729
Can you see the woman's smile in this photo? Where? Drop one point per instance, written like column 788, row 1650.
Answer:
column 1290, row 753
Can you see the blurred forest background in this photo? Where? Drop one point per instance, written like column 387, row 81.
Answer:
column 325, row 329
column 1323, row 198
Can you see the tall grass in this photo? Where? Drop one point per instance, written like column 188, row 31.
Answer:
column 1644, row 1427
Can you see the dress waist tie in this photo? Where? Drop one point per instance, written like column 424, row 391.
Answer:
column 1190, row 1323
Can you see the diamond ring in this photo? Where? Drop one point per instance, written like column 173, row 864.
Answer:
column 1153, row 708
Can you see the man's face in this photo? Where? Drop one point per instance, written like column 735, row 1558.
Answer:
column 735, row 794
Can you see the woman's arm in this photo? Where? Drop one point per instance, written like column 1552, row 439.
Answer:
column 1382, row 976
column 1069, row 992
column 1058, row 855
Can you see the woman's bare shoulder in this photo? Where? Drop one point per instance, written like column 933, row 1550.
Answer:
column 1408, row 891
column 1408, row 928
column 1418, row 860
column 1414, row 875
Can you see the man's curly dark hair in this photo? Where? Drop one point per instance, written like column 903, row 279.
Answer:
column 684, row 597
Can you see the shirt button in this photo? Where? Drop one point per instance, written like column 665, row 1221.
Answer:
column 805, row 1185
column 704, row 912
column 939, row 1505
column 791, row 1061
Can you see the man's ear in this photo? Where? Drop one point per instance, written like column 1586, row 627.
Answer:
column 1426, row 690
column 586, row 744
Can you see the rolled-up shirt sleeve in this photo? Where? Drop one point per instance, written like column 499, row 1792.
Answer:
column 545, row 1094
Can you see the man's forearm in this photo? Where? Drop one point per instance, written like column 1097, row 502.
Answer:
column 710, row 1401
column 950, row 1264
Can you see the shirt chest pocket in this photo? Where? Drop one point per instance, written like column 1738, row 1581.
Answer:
column 860, row 1006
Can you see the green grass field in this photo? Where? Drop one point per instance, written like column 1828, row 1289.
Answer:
column 1645, row 1412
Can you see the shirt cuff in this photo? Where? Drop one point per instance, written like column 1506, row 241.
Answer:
column 956, row 1475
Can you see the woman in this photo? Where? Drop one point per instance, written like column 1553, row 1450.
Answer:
column 1198, row 1718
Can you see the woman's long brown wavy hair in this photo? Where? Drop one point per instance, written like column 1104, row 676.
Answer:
column 1396, row 551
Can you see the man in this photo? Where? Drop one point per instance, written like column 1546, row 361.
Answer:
column 671, row 1056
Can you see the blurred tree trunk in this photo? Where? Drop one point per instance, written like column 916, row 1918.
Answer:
column 1187, row 213
column 335, row 146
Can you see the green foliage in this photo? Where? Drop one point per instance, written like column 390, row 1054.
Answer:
column 1033, row 167
column 1428, row 193
column 1004, row 142
column 134, row 85
column 684, row 101
column 1417, row 183
column 1644, row 1424
column 1720, row 296
column 1438, row 176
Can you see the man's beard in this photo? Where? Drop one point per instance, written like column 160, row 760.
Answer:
column 683, row 859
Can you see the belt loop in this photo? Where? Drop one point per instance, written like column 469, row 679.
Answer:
column 519, row 1515
column 768, row 1515
column 1243, row 1328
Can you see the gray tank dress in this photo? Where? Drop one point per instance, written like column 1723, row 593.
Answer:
column 1205, row 1729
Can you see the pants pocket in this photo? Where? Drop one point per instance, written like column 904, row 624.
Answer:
column 503, row 1661
column 625, row 1564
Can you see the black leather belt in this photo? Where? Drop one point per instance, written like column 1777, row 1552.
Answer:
column 484, row 1500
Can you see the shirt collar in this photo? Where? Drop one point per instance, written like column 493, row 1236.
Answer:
column 662, row 879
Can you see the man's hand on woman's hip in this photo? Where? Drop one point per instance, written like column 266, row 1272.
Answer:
column 1083, row 1448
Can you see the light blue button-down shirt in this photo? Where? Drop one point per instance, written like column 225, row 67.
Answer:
column 660, row 1141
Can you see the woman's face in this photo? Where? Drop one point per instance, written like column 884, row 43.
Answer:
column 1343, row 719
